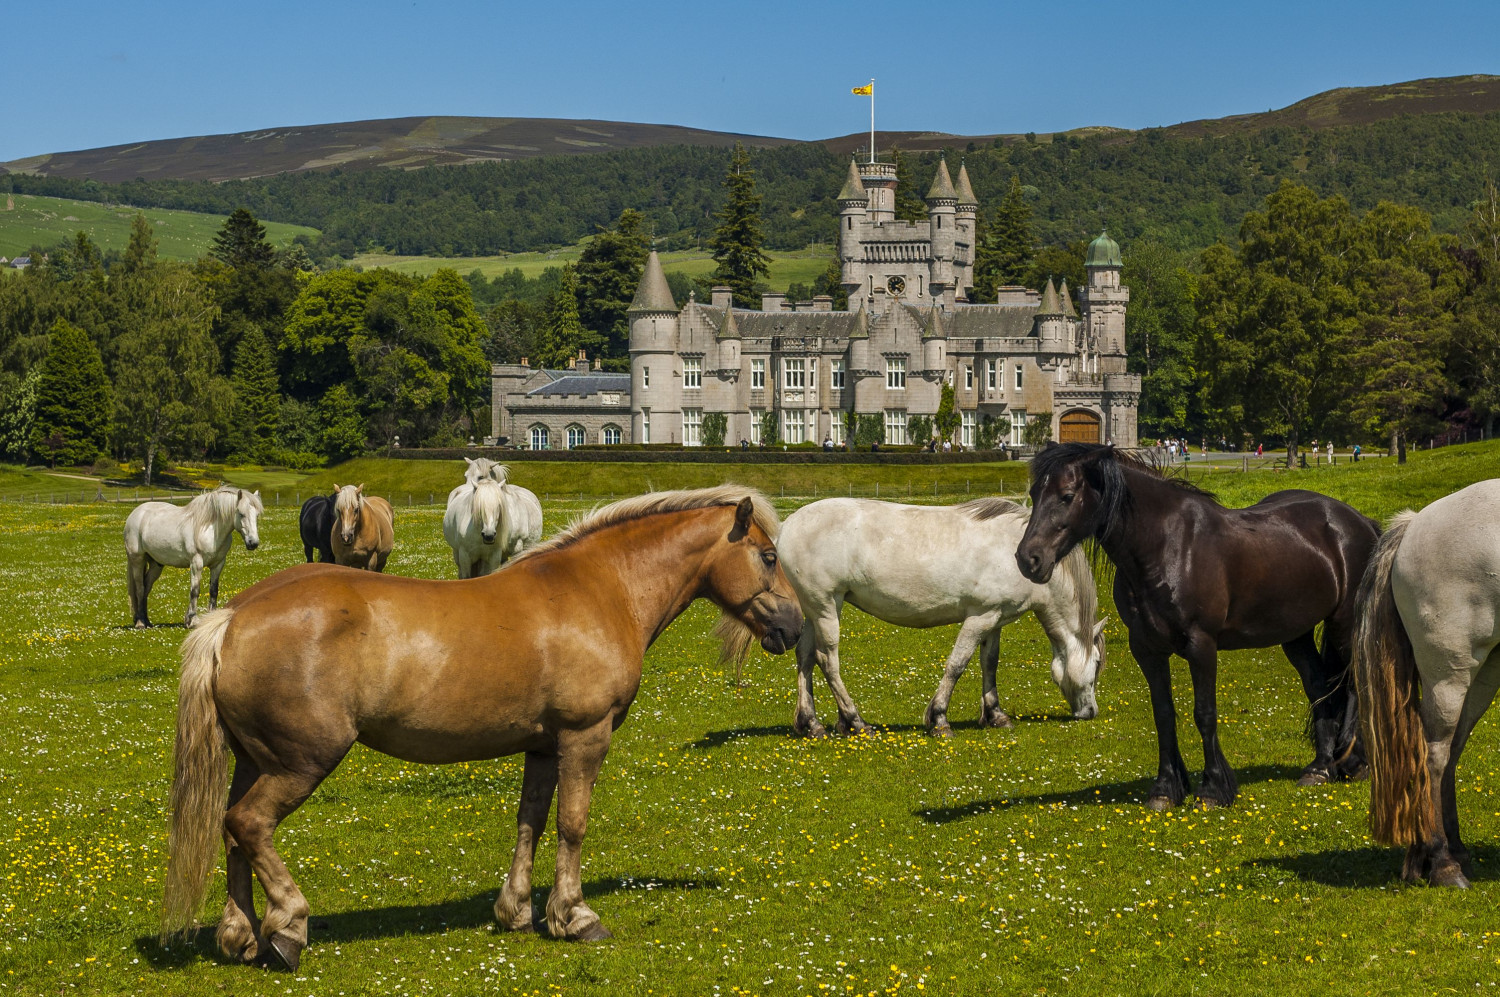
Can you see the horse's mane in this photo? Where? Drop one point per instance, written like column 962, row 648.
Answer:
column 214, row 507
column 338, row 496
column 653, row 503
column 991, row 507
column 1076, row 566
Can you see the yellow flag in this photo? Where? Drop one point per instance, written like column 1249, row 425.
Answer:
column 864, row 91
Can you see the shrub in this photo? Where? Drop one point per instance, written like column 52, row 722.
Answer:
column 715, row 425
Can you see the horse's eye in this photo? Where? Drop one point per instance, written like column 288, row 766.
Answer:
column 769, row 556
column 1067, row 498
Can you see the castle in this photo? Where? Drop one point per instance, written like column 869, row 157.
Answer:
column 910, row 328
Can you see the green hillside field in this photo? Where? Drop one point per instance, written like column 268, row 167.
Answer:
column 787, row 267
column 27, row 220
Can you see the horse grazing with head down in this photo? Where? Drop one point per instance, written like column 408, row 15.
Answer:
column 926, row 566
column 1427, row 664
column 315, row 524
column 307, row 662
column 193, row 536
column 1193, row 578
column 489, row 520
column 363, row 528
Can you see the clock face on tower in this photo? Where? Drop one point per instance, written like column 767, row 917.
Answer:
column 896, row 285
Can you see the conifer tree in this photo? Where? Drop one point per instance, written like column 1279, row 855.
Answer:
column 609, row 270
column 241, row 242
column 141, row 251
column 1006, row 246
column 563, row 335
column 736, row 243
column 71, row 424
column 257, row 398
column 947, row 414
column 909, row 204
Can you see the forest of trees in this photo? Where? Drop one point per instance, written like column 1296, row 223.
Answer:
column 1183, row 192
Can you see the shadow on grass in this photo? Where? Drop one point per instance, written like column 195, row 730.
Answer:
column 401, row 920
column 1132, row 793
column 719, row 738
column 1368, row 867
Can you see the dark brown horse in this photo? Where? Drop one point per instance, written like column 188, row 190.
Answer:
column 1193, row 578
column 542, row 658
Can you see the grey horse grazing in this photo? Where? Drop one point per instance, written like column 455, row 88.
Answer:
column 1430, row 623
column 193, row 536
column 926, row 566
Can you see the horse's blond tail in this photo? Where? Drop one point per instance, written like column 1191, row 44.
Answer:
column 199, row 787
column 1385, row 674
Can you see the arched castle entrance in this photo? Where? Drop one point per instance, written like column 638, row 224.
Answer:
column 1079, row 426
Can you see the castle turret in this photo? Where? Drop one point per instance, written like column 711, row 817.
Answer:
column 942, row 210
column 1051, row 325
column 964, row 247
column 654, row 397
column 879, row 181
column 854, row 204
column 1104, row 299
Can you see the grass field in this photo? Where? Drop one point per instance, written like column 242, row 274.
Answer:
column 787, row 268
column 726, row 856
column 27, row 220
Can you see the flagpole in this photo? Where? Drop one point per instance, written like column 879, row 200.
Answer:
column 872, row 119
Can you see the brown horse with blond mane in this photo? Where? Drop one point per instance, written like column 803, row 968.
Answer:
column 363, row 528
column 305, row 663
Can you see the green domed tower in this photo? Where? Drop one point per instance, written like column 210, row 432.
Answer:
column 1104, row 300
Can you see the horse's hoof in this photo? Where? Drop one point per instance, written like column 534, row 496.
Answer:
column 1160, row 803
column 855, row 726
column 288, row 953
column 1448, row 874
column 941, row 729
column 1355, row 773
column 996, row 719
column 595, row 932
column 1313, row 777
column 141, row 624
column 1209, row 803
column 813, row 730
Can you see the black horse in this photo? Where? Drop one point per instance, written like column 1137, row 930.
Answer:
column 316, row 525
column 1193, row 578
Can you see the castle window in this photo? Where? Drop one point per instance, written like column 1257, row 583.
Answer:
column 895, row 372
column 609, row 435
column 836, row 373
column 966, row 429
column 1017, row 426
column 692, row 372
column 794, row 373
column 757, row 375
column 836, row 429
column 851, row 223
column 756, row 415
column 645, row 425
column 991, row 373
column 539, row 437
column 792, row 426
column 692, row 425
column 895, row 426
column 576, row 436
column 1018, row 376
column 968, row 377
column 645, row 377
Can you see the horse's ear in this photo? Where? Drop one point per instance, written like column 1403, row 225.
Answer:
column 360, row 487
column 743, row 513
column 1099, row 628
column 337, row 488
column 469, row 460
column 1049, row 445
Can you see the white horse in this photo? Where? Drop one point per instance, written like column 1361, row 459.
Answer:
column 191, row 536
column 926, row 566
column 489, row 520
column 1429, row 621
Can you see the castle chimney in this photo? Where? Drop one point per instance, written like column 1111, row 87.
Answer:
column 721, row 297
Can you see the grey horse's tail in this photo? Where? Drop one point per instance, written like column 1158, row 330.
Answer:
column 199, row 787
column 1385, row 674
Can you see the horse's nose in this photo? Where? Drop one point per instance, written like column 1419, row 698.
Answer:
column 251, row 544
column 489, row 538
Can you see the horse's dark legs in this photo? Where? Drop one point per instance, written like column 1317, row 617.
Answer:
column 513, row 907
column 214, row 572
column 1219, row 787
column 1349, row 748
column 239, row 927
column 990, row 713
column 580, row 754
column 150, row 573
column 1172, row 781
column 805, row 717
column 1327, row 708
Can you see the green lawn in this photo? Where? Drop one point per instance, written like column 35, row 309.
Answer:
column 787, row 267
column 27, row 220
column 726, row 856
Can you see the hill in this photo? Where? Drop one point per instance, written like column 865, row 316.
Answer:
column 27, row 220
column 402, row 143
column 415, row 142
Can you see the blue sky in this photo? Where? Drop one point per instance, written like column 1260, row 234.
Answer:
column 87, row 73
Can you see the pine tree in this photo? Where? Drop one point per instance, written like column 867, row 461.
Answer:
column 736, row 243
column 609, row 270
column 141, row 252
column 909, row 204
column 947, row 414
column 1006, row 251
column 257, row 398
column 71, row 424
column 241, row 242
column 563, row 335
